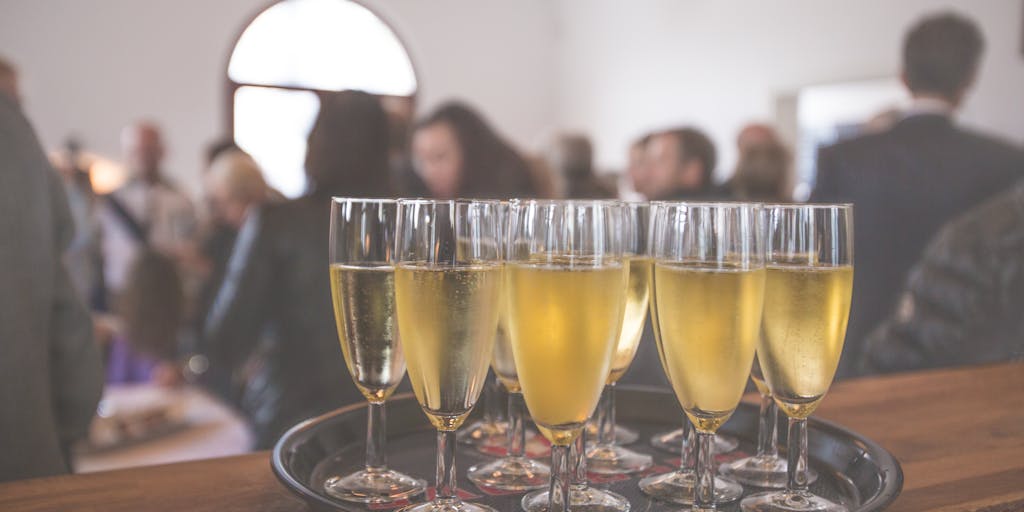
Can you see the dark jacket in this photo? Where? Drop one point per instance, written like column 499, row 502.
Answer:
column 272, row 324
column 51, row 375
column 964, row 302
column 905, row 184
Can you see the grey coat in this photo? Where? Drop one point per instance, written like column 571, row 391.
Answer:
column 50, row 370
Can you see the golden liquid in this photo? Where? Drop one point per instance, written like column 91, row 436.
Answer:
column 709, row 321
column 503, row 362
column 448, row 317
column 564, row 323
column 805, row 315
column 757, row 377
column 364, row 311
column 635, row 315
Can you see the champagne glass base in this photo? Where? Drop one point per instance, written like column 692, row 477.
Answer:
column 623, row 435
column 374, row 486
column 582, row 498
column 677, row 487
column 511, row 474
column 616, row 460
column 789, row 501
column 672, row 442
column 765, row 472
column 450, row 505
column 484, row 433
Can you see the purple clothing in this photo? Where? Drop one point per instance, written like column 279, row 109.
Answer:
column 125, row 365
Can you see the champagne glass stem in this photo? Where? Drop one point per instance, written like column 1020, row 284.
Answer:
column 376, row 437
column 797, row 455
column 767, row 429
column 689, row 459
column 578, row 457
column 516, row 426
column 558, row 491
column 606, row 417
column 704, row 494
column 447, row 486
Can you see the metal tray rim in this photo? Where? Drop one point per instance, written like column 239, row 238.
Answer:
column 886, row 496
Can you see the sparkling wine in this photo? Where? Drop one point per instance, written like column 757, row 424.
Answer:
column 448, row 317
column 709, row 319
column 637, row 294
column 806, row 310
column 364, row 310
column 564, row 323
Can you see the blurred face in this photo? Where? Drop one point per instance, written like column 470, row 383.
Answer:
column 227, row 209
column 143, row 150
column 437, row 159
column 660, row 169
column 9, row 85
column 637, row 163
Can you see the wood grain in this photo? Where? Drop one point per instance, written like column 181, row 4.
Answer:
column 959, row 435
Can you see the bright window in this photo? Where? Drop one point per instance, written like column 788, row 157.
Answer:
column 290, row 54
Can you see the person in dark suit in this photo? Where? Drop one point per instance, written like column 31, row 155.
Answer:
column 51, row 375
column 908, row 181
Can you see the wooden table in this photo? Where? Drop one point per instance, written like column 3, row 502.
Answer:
column 958, row 433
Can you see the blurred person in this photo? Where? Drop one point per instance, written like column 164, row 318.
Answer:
column 962, row 302
column 9, row 81
column 83, row 258
column 234, row 184
column 757, row 135
column 51, row 375
column 456, row 153
column 271, row 326
column 678, row 165
column 572, row 158
column 152, row 308
column 763, row 171
column 909, row 180
column 148, row 210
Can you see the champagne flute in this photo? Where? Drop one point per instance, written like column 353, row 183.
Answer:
column 514, row 471
column 448, row 284
column 607, row 457
column 766, row 468
column 362, row 288
column 708, row 292
column 677, row 486
column 566, row 290
column 807, row 305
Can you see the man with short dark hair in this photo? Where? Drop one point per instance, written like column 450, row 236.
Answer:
column 679, row 164
column 907, row 181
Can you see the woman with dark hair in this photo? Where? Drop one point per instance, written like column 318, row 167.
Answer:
column 457, row 154
column 271, row 327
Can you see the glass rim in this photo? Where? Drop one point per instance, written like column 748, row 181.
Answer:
column 371, row 200
column 571, row 202
column 809, row 206
column 711, row 204
column 456, row 201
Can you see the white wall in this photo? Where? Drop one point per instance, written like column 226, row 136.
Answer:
column 627, row 67
column 90, row 67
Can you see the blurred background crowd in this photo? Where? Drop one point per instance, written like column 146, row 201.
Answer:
column 124, row 269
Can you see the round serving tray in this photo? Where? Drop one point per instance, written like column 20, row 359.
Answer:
column 852, row 469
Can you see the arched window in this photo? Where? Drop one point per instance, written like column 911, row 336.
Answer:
column 288, row 56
